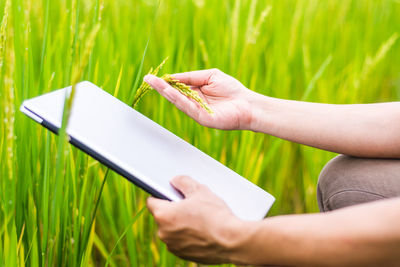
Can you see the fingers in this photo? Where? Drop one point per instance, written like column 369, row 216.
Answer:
column 172, row 95
column 154, row 204
column 160, row 86
column 196, row 78
column 186, row 185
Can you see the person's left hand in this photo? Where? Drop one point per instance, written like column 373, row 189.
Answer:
column 200, row 227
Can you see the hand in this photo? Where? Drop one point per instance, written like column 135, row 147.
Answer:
column 200, row 227
column 226, row 96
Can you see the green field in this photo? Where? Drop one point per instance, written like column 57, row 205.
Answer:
column 59, row 207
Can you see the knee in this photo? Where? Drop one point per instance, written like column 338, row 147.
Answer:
column 343, row 183
column 327, row 181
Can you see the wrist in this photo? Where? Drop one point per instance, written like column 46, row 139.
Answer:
column 237, row 246
column 261, row 113
column 259, row 243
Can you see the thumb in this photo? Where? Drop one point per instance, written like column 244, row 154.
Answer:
column 155, row 204
column 186, row 185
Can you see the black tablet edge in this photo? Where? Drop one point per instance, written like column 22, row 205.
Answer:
column 116, row 168
column 103, row 160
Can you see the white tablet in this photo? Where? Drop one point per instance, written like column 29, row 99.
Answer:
column 141, row 150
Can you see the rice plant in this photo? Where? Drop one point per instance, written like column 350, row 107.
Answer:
column 144, row 87
column 187, row 91
column 59, row 207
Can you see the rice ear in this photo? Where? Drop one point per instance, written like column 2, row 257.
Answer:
column 187, row 91
column 181, row 87
column 144, row 87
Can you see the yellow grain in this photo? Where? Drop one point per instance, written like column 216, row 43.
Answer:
column 187, row 91
column 144, row 87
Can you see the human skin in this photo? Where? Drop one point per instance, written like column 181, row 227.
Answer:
column 366, row 130
column 363, row 235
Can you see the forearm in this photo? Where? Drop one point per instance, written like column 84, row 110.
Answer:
column 366, row 235
column 367, row 130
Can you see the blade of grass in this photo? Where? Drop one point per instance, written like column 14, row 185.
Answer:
column 137, row 215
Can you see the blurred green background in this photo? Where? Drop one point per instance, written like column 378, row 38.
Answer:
column 70, row 215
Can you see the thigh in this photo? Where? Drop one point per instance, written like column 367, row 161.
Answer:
column 347, row 181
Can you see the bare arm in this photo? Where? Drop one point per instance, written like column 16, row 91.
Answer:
column 367, row 235
column 364, row 130
column 364, row 235
column 368, row 130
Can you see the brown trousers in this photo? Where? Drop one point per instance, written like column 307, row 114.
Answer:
column 347, row 181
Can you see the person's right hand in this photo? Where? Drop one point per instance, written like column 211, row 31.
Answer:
column 226, row 96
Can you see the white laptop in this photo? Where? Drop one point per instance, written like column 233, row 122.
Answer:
column 141, row 150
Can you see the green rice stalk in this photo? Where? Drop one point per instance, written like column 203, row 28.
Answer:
column 235, row 21
column 27, row 24
column 372, row 61
column 118, row 85
column 86, row 236
column 78, row 72
column 294, row 28
column 73, row 33
column 316, row 77
column 60, row 164
column 255, row 31
column 9, row 113
column 50, row 82
column 204, row 53
column 137, row 216
column 45, row 37
column 101, row 7
column 144, row 87
column 133, row 99
column 187, row 91
column 3, row 33
column 250, row 19
column 286, row 61
column 9, row 109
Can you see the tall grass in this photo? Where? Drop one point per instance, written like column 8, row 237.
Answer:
column 83, row 214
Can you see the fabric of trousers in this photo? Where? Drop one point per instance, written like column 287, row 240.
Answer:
column 347, row 181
